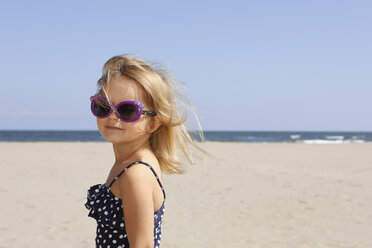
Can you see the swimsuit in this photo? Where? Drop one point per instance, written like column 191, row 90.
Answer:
column 107, row 209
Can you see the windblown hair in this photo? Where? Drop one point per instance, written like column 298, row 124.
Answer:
column 165, row 98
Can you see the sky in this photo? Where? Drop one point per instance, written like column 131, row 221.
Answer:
column 246, row 65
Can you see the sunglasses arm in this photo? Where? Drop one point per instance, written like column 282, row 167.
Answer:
column 149, row 113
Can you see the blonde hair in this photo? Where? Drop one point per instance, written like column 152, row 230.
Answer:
column 163, row 94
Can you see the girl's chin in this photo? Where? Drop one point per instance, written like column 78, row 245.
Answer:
column 115, row 137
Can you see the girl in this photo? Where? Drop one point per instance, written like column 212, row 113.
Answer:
column 137, row 112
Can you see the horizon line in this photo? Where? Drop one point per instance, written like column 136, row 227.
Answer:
column 95, row 130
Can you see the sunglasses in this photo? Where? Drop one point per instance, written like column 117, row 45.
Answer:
column 127, row 111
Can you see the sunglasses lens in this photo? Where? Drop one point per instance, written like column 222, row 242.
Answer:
column 101, row 108
column 127, row 111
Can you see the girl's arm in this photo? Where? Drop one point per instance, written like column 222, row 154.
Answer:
column 136, row 190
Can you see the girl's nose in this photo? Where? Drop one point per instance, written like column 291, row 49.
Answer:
column 113, row 115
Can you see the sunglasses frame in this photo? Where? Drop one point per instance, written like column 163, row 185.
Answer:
column 139, row 106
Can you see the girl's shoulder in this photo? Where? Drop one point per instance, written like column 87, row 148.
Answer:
column 140, row 176
column 143, row 162
column 147, row 159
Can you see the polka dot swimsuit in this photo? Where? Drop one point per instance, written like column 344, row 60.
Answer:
column 107, row 209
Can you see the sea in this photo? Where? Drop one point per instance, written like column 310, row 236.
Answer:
column 307, row 137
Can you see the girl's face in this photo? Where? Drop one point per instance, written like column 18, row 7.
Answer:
column 122, row 88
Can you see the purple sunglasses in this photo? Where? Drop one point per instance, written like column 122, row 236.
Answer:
column 128, row 111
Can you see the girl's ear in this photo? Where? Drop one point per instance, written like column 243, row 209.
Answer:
column 155, row 124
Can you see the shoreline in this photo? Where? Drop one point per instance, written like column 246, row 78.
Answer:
column 209, row 141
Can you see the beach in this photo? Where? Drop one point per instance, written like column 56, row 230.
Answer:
column 243, row 195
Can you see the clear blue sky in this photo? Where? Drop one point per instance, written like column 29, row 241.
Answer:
column 248, row 65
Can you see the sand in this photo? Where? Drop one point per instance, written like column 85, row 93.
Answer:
column 246, row 195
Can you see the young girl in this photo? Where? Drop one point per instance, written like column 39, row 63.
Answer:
column 137, row 112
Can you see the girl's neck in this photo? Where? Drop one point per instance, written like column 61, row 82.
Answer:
column 125, row 153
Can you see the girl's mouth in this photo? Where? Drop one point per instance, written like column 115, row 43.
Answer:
column 114, row 128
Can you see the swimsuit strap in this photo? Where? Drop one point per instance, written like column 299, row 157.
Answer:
column 137, row 162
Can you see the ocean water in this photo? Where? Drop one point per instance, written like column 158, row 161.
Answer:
column 223, row 136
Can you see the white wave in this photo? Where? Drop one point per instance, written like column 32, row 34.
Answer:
column 295, row 136
column 320, row 141
column 335, row 137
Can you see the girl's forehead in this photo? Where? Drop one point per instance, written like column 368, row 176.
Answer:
column 121, row 88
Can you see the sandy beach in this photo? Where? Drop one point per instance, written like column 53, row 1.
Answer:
column 245, row 195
